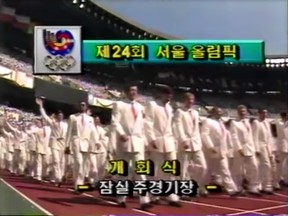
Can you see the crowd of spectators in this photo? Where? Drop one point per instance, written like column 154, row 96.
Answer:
column 97, row 89
column 14, row 63
column 15, row 114
column 106, row 90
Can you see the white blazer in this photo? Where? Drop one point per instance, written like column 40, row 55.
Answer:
column 99, row 137
column 214, row 135
column 187, row 129
column 159, row 126
column 282, row 136
column 22, row 139
column 242, row 137
column 79, row 132
column 42, row 140
column 31, row 139
column 58, row 131
column 129, row 122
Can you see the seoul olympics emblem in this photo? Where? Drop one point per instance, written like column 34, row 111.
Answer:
column 58, row 43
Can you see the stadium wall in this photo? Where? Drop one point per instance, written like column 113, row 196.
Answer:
column 59, row 93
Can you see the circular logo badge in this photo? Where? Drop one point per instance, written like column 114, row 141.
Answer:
column 59, row 43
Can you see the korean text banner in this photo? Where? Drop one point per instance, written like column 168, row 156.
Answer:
column 173, row 51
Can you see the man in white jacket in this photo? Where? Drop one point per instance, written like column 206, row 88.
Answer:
column 231, row 149
column 189, row 142
column 282, row 142
column 57, row 141
column 161, row 141
column 20, row 138
column 128, row 123
column 246, row 150
column 78, row 139
column 32, row 145
column 9, row 142
column 262, row 135
column 214, row 136
column 42, row 136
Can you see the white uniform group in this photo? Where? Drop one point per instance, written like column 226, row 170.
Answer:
column 207, row 147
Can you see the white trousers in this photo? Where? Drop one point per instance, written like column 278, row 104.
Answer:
column 283, row 166
column 265, row 170
column 193, row 166
column 98, row 163
column 32, row 164
column 19, row 161
column 87, row 168
column 42, row 163
column 79, row 163
column 58, row 162
column 68, row 166
column 220, row 166
column 249, row 166
column 132, row 157
column 158, row 158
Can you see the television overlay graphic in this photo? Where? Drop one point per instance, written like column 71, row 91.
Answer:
column 57, row 50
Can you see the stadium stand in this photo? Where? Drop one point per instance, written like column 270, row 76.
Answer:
column 256, row 86
column 223, row 85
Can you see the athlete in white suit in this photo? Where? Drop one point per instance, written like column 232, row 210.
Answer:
column 19, row 147
column 57, row 141
column 246, row 150
column 128, row 122
column 98, row 152
column 215, row 137
column 282, row 142
column 32, row 145
column 159, row 115
column 87, row 165
column 189, row 142
column 80, row 128
column 231, row 149
column 9, row 141
column 42, row 136
column 262, row 135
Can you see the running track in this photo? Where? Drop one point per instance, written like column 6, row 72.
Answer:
column 61, row 201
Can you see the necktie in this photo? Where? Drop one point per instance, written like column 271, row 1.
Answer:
column 82, row 120
column 223, row 129
column 44, row 132
column 134, row 111
column 246, row 126
column 192, row 119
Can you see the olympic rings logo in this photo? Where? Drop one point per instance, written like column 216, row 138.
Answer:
column 59, row 63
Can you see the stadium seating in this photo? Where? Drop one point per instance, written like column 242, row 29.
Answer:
column 94, row 88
